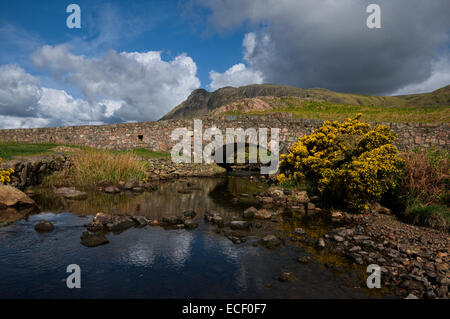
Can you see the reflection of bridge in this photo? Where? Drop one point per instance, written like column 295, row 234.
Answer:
column 157, row 135
column 250, row 156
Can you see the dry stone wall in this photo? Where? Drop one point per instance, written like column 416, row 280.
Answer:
column 157, row 135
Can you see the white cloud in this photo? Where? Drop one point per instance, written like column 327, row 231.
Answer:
column 24, row 103
column 440, row 77
column 63, row 109
column 142, row 86
column 19, row 92
column 117, row 87
column 7, row 122
column 237, row 75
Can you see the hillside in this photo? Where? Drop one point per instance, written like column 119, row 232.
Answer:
column 314, row 103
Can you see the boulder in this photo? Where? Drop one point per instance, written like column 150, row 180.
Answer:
column 70, row 193
column 311, row 208
column 302, row 197
column 305, row 259
column 154, row 223
column 93, row 227
column 102, row 219
column 209, row 215
column 138, row 189
column 271, row 241
column 89, row 239
column 189, row 214
column 141, row 221
column 119, row 223
column 337, row 215
column 190, row 224
column 321, row 243
column 249, row 212
column 378, row 209
column 112, row 190
column 11, row 196
column 287, row 277
column 239, row 224
column 263, row 214
column 44, row 226
column 173, row 220
column 130, row 185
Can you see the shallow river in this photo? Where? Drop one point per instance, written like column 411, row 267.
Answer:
column 154, row 262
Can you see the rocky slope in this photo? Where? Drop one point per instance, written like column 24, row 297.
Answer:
column 202, row 102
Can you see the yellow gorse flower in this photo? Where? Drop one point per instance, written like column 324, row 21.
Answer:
column 5, row 174
column 350, row 160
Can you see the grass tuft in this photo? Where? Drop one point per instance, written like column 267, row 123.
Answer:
column 93, row 166
column 433, row 215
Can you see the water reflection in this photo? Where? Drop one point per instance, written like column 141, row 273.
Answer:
column 204, row 194
column 153, row 262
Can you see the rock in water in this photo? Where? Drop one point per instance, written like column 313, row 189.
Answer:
column 271, row 241
column 11, row 196
column 321, row 243
column 263, row 214
column 70, row 193
column 44, row 226
column 239, row 224
column 140, row 220
column 102, row 218
column 305, row 259
column 89, row 239
column 112, row 190
column 287, row 277
column 173, row 220
column 121, row 223
column 130, row 184
column 190, row 224
column 189, row 214
column 250, row 212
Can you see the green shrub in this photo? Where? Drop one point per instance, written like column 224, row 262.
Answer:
column 433, row 215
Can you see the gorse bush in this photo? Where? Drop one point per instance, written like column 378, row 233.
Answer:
column 350, row 162
column 5, row 174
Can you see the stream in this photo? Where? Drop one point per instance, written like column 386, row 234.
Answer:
column 157, row 262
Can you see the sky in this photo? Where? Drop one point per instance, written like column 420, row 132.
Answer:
column 136, row 60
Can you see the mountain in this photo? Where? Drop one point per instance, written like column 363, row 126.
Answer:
column 201, row 102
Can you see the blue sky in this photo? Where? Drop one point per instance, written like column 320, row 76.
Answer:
column 161, row 25
column 135, row 60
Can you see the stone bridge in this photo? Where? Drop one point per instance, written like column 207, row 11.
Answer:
column 156, row 136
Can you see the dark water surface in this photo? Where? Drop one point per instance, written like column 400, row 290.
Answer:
column 153, row 262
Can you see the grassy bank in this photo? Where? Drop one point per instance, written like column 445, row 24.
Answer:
column 89, row 166
column 426, row 188
column 340, row 112
column 11, row 149
column 142, row 152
